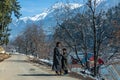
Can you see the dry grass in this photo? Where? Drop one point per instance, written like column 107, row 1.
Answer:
column 3, row 57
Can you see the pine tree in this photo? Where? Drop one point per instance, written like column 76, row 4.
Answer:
column 7, row 7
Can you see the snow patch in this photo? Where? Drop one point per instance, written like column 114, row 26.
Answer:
column 63, row 5
column 50, row 62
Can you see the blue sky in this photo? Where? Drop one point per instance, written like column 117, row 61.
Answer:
column 33, row 7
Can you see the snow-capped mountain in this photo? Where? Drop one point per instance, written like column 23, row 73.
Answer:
column 47, row 17
column 50, row 10
column 34, row 18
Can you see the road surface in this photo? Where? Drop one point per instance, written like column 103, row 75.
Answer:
column 17, row 68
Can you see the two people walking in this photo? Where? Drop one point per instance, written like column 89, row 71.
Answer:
column 60, row 60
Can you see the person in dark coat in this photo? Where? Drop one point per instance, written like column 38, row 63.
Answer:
column 57, row 58
column 65, row 61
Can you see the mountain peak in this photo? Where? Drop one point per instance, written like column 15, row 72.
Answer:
column 63, row 5
column 47, row 11
column 35, row 18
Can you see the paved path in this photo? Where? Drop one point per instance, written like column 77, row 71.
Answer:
column 17, row 68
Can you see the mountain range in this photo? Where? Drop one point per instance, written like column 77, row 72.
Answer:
column 47, row 17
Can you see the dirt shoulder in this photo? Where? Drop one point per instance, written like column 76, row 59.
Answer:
column 3, row 57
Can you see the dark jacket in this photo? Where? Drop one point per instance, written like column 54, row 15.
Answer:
column 64, row 62
column 57, row 64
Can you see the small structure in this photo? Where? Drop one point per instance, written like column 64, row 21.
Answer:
column 99, row 61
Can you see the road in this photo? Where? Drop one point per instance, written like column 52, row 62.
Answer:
column 17, row 68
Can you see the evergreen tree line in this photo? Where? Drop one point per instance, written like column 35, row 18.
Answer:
column 7, row 8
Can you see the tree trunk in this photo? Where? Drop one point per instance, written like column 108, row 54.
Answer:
column 78, row 56
column 95, row 46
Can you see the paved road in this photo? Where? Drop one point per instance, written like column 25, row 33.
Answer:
column 17, row 68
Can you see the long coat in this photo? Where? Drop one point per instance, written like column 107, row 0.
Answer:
column 57, row 58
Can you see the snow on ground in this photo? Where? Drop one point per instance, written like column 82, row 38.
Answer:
column 50, row 62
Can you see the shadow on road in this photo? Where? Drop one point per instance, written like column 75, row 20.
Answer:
column 36, row 75
column 21, row 61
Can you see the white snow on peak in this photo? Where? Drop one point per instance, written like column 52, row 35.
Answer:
column 99, row 1
column 24, row 19
column 73, row 6
column 35, row 18
column 46, row 12
column 39, row 16
column 70, row 5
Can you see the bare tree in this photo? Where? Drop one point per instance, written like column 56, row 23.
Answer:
column 33, row 40
column 87, row 31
